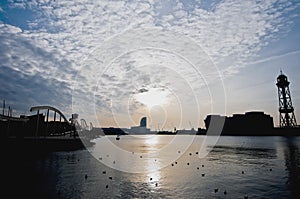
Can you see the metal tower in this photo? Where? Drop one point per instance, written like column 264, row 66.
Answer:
column 286, row 110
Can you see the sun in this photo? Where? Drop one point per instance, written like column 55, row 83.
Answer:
column 153, row 97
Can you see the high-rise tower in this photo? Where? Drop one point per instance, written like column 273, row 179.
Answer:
column 143, row 122
column 286, row 110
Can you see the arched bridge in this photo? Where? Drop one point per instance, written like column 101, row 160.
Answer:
column 54, row 127
column 48, row 108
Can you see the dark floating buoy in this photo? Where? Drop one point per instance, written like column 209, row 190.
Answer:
column 141, row 156
column 203, row 174
column 243, row 172
column 104, row 172
column 106, row 186
column 216, row 190
column 225, row 192
column 172, row 164
column 270, row 169
column 150, row 179
column 197, row 153
column 197, row 168
column 202, row 165
column 86, row 176
column 110, row 178
column 188, row 163
column 156, row 184
column 246, row 197
column 190, row 153
column 175, row 162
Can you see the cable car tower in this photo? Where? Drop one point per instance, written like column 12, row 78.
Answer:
column 286, row 110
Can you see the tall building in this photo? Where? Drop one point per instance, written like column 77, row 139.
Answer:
column 142, row 129
column 143, row 122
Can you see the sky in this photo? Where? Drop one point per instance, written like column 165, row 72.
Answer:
column 113, row 62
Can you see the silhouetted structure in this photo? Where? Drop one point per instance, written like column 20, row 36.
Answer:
column 143, row 122
column 286, row 110
column 142, row 129
column 40, row 133
column 250, row 123
column 113, row 131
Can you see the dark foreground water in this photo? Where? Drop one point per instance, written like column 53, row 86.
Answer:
column 157, row 167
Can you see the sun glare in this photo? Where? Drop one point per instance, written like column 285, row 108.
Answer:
column 152, row 97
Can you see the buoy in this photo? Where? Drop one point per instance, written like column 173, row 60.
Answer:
column 86, row 176
column 197, row 168
column 106, row 186
column 243, row 172
column 190, row 153
column 225, row 192
column 246, row 196
column 188, row 163
column 203, row 174
column 110, row 178
column 104, row 172
column 150, row 178
column 202, row 165
column 156, row 184
column 216, row 190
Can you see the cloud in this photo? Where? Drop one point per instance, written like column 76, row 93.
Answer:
column 275, row 57
column 60, row 45
column 143, row 90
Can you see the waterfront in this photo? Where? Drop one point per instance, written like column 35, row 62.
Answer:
column 236, row 167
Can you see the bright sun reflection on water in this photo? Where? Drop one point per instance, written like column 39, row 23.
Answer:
column 153, row 97
column 151, row 141
column 152, row 163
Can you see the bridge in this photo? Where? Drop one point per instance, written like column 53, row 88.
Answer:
column 46, row 127
column 48, row 121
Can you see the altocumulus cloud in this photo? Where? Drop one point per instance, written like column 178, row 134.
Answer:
column 47, row 54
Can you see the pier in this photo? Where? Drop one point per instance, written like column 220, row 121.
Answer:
column 39, row 133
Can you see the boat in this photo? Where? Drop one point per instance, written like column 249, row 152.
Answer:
column 118, row 137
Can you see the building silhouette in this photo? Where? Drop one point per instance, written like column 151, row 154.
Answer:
column 143, row 122
column 142, row 129
column 250, row 123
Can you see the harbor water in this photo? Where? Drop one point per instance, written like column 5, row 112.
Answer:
column 157, row 167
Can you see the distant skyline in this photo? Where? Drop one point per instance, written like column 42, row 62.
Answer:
column 113, row 62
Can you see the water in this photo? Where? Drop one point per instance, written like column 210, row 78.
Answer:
column 236, row 167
